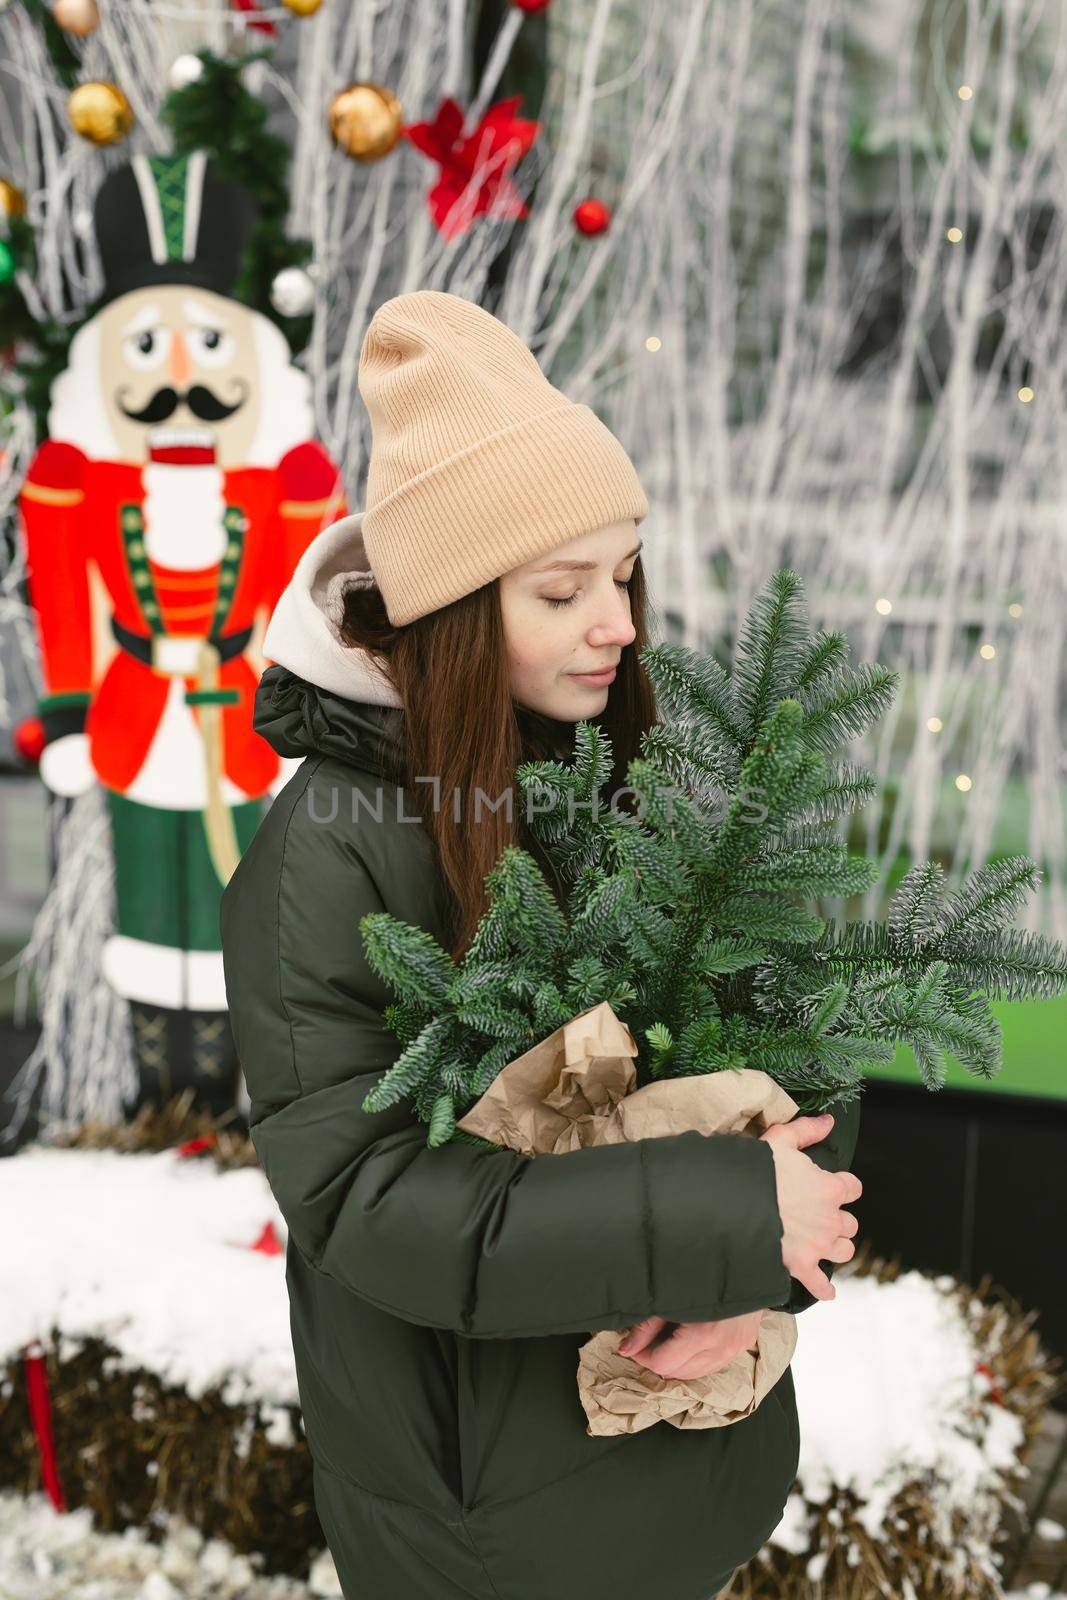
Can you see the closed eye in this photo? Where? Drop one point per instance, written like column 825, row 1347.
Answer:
column 571, row 598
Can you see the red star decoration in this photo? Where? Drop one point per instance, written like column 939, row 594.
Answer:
column 498, row 144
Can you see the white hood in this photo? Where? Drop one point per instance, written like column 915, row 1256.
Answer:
column 304, row 630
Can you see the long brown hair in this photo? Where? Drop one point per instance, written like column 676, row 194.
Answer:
column 450, row 671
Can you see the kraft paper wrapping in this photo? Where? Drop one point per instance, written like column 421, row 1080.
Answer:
column 577, row 1088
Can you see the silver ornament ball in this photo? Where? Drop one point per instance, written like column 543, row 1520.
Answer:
column 184, row 70
column 292, row 293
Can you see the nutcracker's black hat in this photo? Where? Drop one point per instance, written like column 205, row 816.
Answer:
column 171, row 219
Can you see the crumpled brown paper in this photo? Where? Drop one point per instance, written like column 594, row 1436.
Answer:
column 577, row 1088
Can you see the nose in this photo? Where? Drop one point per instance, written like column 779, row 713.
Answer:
column 616, row 628
column 180, row 365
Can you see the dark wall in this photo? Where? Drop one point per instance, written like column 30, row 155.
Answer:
column 970, row 1183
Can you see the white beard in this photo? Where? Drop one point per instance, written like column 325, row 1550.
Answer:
column 183, row 511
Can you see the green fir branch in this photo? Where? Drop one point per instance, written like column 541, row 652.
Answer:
column 700, row 929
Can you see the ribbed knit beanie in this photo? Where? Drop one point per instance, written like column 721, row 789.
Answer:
column 478, row 463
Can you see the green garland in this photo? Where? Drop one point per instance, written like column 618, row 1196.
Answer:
column 65, row 59
column 42, row 346
column 217, row 114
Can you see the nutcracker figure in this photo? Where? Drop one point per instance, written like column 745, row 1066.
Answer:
column 161, row 519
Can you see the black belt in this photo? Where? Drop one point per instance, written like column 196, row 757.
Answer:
column 140, row 644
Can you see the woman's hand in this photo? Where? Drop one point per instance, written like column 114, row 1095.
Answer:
column 693, row 1349
column 814, row 1226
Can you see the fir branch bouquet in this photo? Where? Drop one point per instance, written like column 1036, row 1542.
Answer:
column 695, row 916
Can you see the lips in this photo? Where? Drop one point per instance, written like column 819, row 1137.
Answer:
column 597, row 680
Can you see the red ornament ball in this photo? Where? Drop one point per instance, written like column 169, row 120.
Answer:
column 28, row 739
column 591, row 216
column 531, row 6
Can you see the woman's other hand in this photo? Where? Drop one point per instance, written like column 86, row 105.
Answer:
column 693, row 1349
column 810, row 1201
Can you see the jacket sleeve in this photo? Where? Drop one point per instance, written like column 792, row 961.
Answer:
column 487, row 1243
column 310, row 496
column 833, row 1154
column 54, row 531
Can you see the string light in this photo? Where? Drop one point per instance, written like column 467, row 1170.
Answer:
column 1026, row 394
column 652, row 343
column 1015, row 609
column 953, row 235
column 987, row 652
column 934, row 724
column 883, row 606
column 965, row 91
column 963, row 783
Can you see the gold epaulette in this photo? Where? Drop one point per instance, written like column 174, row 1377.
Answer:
column 51, row 497
column 311, row 508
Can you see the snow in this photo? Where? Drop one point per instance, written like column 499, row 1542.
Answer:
column 793, row 1532
column 50, row 1555
column 151, row 1252
column 887, row 1392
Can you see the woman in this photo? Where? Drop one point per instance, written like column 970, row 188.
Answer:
column 439, row 1297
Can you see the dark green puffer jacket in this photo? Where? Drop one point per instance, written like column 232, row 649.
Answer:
column 439, row 1297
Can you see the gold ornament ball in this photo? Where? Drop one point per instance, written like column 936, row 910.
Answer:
column 12, row 199
column 302, row 8
column 79, row 17
column 365, row 121
column 100, row 112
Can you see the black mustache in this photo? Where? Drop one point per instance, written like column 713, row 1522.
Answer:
column 200, row 400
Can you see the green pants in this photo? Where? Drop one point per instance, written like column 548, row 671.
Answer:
column 166, row 888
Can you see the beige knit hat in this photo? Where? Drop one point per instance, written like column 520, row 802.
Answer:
column 477, row 462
